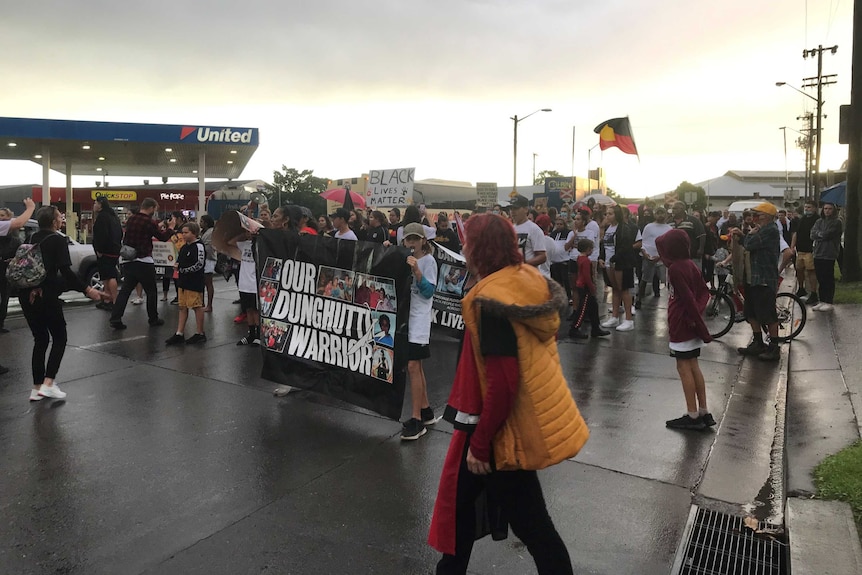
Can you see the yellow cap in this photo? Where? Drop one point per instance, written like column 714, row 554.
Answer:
column 766, row 208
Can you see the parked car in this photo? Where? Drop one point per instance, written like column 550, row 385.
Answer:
column 82, row 255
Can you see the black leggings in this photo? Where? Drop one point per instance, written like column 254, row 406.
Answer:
column 589, row 309
column 825, row 271
column 46, row 321
column 519, row 495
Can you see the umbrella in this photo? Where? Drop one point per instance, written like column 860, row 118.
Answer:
column 633, row 208
column 600, row 199
column 340, row 195
column 836, row 194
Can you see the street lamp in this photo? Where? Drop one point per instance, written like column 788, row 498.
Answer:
column 516, row 119
column 818, row 131
column 590, row 170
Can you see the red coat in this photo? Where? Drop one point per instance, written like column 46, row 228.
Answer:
column 688, row 294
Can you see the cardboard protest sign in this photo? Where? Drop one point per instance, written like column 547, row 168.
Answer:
column 334, row 317
column 390, row 188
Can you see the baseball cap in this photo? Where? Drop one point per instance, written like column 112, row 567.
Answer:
column 766, row 208
column 519, row 201
column 414, row 229
column 340, row 213
column 543, row 221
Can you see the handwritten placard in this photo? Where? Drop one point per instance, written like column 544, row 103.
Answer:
column 390, row 188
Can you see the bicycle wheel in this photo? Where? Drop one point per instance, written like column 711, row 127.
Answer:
column 791, row 316
column 719, row 313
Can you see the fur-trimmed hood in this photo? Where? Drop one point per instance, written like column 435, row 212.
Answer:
column 529, row 298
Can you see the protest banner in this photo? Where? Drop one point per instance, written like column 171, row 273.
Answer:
column 334, row 317
column 487, row 194
column 451, row 277
column 390, row 188
column 164, row 256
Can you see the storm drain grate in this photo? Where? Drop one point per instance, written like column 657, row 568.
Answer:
column 720, row 544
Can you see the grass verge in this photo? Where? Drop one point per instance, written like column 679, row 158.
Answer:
column 848, row 292
column 839, row 477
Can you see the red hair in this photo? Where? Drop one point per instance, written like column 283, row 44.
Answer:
column 491, row 243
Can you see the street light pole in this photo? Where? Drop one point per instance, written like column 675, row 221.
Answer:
column 589, row 170
column 516, row 119
column 534, row 167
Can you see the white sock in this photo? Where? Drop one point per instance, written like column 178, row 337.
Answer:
column 702, row 411
column 693, row 414
column 179, row 333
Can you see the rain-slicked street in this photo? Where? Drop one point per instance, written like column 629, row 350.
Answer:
column 180, row 460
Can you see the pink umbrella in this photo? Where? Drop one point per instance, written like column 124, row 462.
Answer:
column 633, row 208
column 339, row 195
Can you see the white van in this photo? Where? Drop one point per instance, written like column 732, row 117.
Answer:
column 743, row 205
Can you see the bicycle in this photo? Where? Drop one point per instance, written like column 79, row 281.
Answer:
column 720, row 313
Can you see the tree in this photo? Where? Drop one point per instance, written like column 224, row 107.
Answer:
column 700, row 201
column 541, row 176
column 290, row 186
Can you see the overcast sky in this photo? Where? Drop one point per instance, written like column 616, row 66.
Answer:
column 343, row 87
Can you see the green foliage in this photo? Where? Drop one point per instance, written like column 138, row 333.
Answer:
column 839, row 477
column 700, row 202
column 290, row 186
column 541, row 176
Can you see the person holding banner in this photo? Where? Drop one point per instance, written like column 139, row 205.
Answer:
column 424, row 268
column 510, row 405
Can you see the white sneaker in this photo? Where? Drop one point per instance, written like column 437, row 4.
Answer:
column 611, row 322
column 634, row 311
column 626, row 325
column 823, row 307
column 282, row 390
column 138, row 301
column 54, row 392
column 34, row 395
column 817, row 306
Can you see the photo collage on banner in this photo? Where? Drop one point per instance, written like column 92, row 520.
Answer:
column 451, row 277
column 334, row 317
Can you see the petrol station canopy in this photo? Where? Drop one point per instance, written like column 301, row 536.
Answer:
column 123, row 149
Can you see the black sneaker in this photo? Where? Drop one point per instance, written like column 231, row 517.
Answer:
column 197, row 338
column 248, row 341
column 754, row 348
column 638, row 303
column 3, row 330
column 412, row 430
column 3, row 369
column 685, row 422
column 175, row 339
column 575, row 333
column 175, row 301
column 118, row 325
column 812, row 299
column 236, row 301
column 156, row 322
column 772, row 353
column 707, row 419
column 427, row 415
column 600, row 333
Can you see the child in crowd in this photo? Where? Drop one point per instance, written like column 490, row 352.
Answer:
column 721, row 270
column 241, row 249
column 586, row 294
column 191, row 262
column 686, row 330
column 424, row 269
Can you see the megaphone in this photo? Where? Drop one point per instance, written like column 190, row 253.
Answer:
column 258, row 198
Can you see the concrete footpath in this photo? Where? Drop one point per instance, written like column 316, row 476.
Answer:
column 180, row 460
column 823, row 417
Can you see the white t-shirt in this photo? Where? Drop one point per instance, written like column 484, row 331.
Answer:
column 550, row 254
column 4, row 227
column 531, row 239
column 589, row 233
column 419, row 328
column 594, row 227
column 651, row 232
column 560, row 254
column 247, row 275
column 348, row 235
column 608, row 241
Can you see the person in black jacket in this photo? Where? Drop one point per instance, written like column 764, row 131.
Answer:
column 42, row 306
column 191, row 263
column 8, row 246
column 107, row 240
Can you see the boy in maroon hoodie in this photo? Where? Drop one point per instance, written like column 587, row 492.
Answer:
column 686, row 329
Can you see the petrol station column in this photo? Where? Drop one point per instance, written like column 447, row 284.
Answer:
column 46, row 175
column 202, row 189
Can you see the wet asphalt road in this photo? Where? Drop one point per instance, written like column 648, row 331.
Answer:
column 180, row 460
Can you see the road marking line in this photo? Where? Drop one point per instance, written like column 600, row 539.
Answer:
column 92, row 345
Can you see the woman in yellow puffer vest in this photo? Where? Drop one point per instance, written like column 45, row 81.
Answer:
column 510, row 405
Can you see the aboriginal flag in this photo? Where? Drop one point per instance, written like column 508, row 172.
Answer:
column 617, row 132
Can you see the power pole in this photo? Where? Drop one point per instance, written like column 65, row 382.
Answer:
column 852, row 265
column 818, row 81
column 806, row 142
